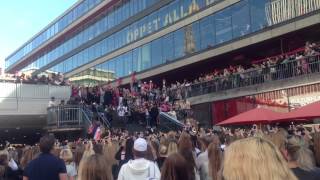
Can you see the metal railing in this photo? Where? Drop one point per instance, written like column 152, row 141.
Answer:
column 67, row 116
column 100, row 116
column 284, row 70
column 169, row 123
column 282, row 10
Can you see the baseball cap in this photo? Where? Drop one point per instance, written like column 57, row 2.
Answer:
column 140, row 145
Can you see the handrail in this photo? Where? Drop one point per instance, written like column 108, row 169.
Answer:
column 177, row 125
column 86, row 117
column 104, row 120
column 67, row 116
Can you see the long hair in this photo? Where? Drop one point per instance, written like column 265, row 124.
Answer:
column 299, row 152
column 88, row 151
column 316, row 147
column 175, row 168
column 28, row 155
column 254, row 158
column 129, row 147
column 215, row 158
column 94, row 167
column 78, row 153
column 172, row 148
column 4, row 158
column 185, row 148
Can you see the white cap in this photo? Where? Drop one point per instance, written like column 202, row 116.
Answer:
column 140, row 145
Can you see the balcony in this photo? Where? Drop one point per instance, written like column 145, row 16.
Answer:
column 291, row 73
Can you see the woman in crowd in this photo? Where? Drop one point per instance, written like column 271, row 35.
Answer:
column 254, row 159
column 301, row 159
column 176, row 168
column 163, row 151
column 78, row 153
column 7, row 172
column 67, row 156
column 94, row 167
column 124, row 154
column 316, row 147
column 185, row 148
column 215, row 160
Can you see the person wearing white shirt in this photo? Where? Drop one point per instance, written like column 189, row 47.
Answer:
column 140, row 167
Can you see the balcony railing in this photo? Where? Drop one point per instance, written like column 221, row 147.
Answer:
column 282, row 10
column 284, row 70
column 67, row 117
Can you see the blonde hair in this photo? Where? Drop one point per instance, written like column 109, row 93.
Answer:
column 88, row 151
column 94, row 167
column 278, row 139
column 172, row 148
column 66, row 155
column 316, row 146
column 255, row 158
column 298, row 151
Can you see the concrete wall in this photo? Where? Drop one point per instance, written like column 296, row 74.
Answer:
column 27, row 99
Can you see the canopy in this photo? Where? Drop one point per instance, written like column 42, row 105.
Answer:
column 254, row 116
column 306, row 112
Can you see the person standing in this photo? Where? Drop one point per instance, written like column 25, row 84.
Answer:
column 140, row 167
column 154, row 113
column 46, row 165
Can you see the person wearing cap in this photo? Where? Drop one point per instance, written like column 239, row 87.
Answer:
column 139, row 168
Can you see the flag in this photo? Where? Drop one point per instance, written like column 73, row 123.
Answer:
column 97, row 134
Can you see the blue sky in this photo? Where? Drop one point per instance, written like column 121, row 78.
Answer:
column 21, row 19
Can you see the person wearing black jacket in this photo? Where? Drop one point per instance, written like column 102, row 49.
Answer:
column 154, row 113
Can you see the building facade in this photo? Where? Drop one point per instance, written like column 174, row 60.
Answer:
column 153, row 37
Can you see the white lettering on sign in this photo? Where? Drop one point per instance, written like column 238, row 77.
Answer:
column 171, row 17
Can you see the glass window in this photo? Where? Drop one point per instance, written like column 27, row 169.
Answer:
column 223, row 26
column 185, row 7
column 112, row 68
column 156, row 52
column 111, row 19
column 241, row 19
column 163, row 16
column 111, row 43
column 179, row 43
column 207, row 32
column 146, row 56
column 258, row 14
column 192, row 38
column 119, row 66
column 127, row 63
column 168, row 47
column 136, row 58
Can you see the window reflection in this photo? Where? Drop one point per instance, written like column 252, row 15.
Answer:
column 223, row 26
column 241, row 19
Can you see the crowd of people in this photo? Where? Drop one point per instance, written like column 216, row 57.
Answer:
column 137, row 101
column 259, row 152
column 302, row 61
column 48, row 78
column 142, row 102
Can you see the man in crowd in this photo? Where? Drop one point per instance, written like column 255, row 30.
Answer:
column 46, row 165
column 140, row 167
